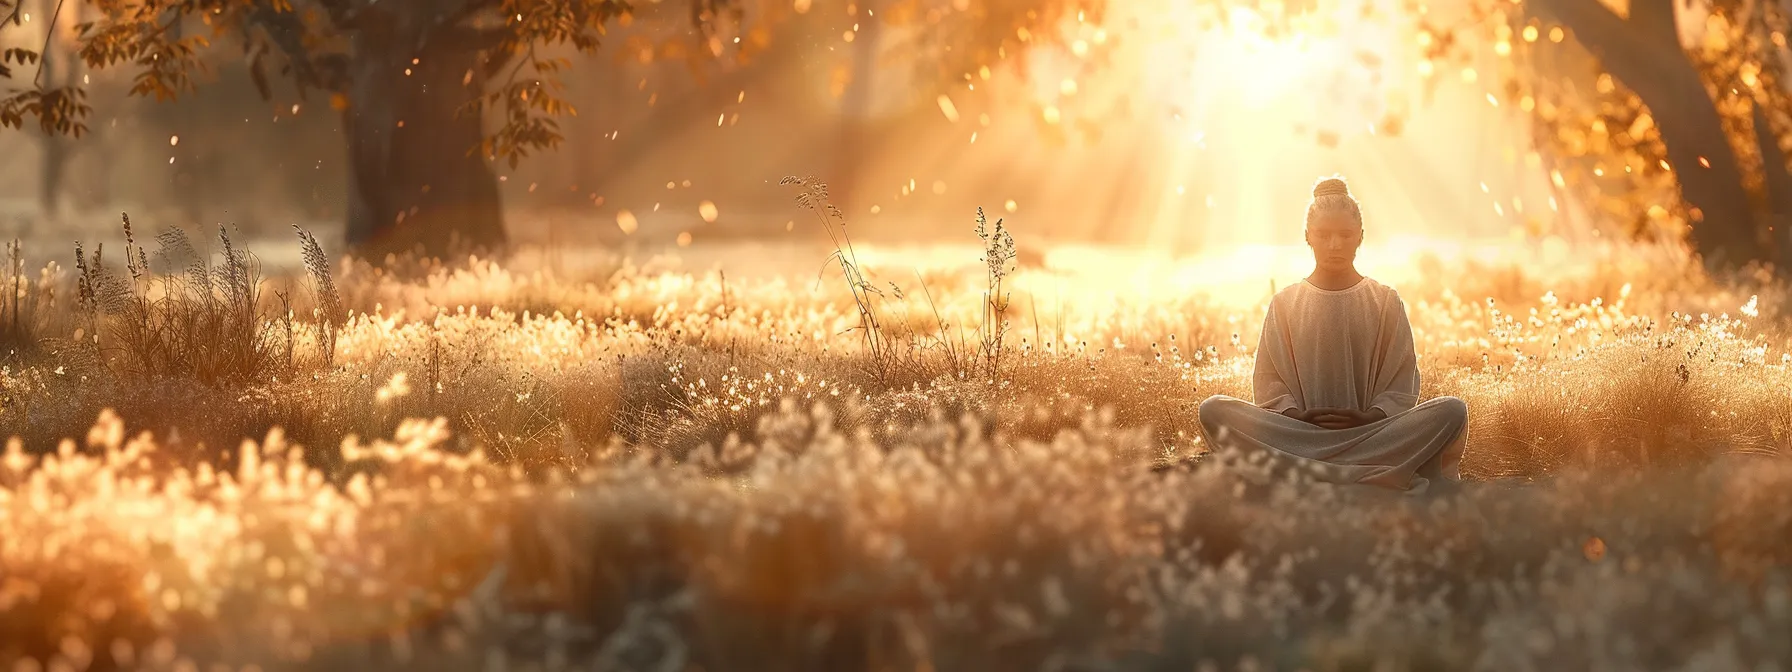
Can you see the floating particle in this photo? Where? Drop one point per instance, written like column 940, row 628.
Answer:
column 1011, row 206
column 684, row 239
column 625, row 220
column 1594, row 549
column 708, row 210
column 173, row 140
column 948, row 109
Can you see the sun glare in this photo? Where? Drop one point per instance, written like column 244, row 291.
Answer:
column 1243, row 105
column 1261, row 68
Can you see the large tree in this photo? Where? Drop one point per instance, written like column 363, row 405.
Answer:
column 1685, row 122
column 433, row 92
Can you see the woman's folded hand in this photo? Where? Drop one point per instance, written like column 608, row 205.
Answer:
column 1336, row 418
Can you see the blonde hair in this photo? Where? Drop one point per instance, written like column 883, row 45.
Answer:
column 1332, row 197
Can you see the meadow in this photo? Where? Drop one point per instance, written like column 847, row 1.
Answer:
column 953, row 463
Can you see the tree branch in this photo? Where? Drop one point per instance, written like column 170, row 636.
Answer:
column 343, row 13
column 1628, row 53
column 286, row 31
column 1655, row 19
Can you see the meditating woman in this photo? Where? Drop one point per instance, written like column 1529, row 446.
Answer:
column 1336, row 378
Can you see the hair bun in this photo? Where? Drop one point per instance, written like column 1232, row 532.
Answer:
column 1331, row 186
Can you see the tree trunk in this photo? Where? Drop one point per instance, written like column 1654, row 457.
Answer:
column 1778, row 183
column 415, row 183
column 1646, row 56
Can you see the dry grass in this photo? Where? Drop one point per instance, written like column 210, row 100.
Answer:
column 667, row 470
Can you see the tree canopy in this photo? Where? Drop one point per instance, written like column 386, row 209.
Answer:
column 520, row 44
column 434, row 91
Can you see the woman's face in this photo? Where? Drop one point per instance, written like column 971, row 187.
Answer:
column 1334, row 239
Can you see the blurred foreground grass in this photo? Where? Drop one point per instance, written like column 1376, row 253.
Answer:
column 666, row 470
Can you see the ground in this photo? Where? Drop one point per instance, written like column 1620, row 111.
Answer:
column 707, row 460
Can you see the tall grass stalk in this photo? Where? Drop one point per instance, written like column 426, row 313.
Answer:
column 203, row 322
column 813, row 196
column 998, row 260
column 329, row 312
column 24, row 307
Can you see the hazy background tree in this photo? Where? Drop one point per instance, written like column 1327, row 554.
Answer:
column 432, row 94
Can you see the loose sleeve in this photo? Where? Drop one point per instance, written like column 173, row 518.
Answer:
column 1269, row 389
column 1397, row 383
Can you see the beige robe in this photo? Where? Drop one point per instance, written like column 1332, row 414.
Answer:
column 1349, row 348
